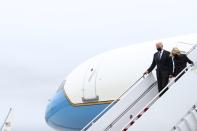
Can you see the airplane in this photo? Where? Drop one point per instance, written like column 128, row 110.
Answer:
column 107, row 84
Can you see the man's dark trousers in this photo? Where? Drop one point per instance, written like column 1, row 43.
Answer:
column 162, row 80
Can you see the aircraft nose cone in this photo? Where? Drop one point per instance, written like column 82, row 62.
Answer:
column 54, row 105
column 62, row 115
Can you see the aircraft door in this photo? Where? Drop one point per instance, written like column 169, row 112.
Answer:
column 89, row 87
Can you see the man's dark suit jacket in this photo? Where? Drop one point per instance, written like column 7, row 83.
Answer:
column 163, row 64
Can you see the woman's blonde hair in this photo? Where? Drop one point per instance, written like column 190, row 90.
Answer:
column 175, row 51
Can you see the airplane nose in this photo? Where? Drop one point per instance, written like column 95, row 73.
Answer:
column 54, row 105
column 62, row 115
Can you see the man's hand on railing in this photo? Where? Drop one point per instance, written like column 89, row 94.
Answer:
column 145, row 73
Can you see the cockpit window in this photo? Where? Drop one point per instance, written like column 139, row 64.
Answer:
column 61, row 86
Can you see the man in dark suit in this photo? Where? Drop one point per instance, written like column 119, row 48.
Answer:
column 164, row 65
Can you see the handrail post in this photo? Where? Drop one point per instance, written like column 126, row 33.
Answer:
column 9, row 112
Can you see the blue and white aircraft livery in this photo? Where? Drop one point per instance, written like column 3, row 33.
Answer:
column 109, row 92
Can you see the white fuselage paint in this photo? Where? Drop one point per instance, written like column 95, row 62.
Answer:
column 109, row 74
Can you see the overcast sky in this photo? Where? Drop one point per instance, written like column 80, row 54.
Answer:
column 41, row 41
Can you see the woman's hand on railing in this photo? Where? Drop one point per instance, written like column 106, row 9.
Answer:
column 171, row 76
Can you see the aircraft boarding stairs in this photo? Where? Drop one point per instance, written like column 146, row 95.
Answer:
column 122, row 113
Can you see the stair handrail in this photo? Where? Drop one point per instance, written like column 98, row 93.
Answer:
column 155, row 98
column 9, row 112
column 129, row 107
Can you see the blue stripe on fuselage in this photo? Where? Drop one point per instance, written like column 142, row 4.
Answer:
column 60, row 114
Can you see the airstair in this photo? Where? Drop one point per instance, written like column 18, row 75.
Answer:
column 125, row 112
